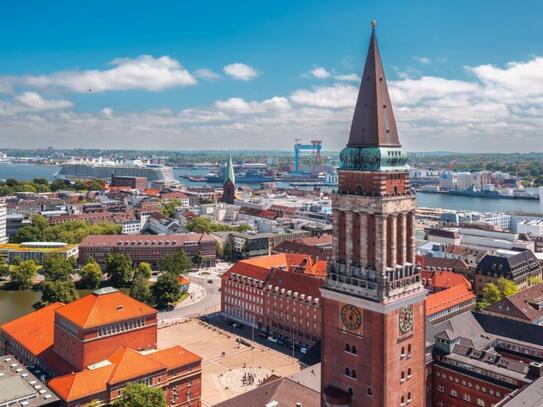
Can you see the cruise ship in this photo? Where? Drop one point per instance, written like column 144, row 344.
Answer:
column 97, row 168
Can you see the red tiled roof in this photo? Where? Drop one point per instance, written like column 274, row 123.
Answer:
column 35, row 331
column 130, row 364
column 445, row 279
column 125, row 364
column 100, row 309
column 322, row 240
column 76, row 386
column 447, row 298
column 174, row 357
column 173, row 195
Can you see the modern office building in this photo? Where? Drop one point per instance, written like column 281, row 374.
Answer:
column 36, row 251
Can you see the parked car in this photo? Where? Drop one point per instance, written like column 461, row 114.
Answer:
column 272, row 339
column 210, row 281
column 237, row 325
column 281, row 342
column 303, row 350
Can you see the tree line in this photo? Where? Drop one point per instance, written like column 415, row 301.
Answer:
column 11, row 186
column 60, row 283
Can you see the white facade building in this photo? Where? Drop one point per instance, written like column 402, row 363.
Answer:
column 3, row 215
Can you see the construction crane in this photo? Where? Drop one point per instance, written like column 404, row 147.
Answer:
column 315, row 147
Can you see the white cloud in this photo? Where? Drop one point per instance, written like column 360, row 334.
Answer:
column 207, row 74
column 422, row 60
column 320, row 73
column 496, row 109
column 336, row 96
column 350, row 77
column 238, row 105
column 107, row 111
column 34, row 101
column 144, row 72
column 240, row 71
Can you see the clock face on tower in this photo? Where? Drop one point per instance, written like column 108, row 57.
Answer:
column 406, row 319
column 351, row 317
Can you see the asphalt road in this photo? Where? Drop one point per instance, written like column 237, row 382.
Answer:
column 209, row 304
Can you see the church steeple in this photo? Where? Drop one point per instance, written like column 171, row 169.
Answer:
column 229, row 186
column 373, row 120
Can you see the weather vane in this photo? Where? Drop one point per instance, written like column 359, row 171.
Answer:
column 373, row 24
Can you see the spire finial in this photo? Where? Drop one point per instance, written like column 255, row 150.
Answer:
column 373, row 24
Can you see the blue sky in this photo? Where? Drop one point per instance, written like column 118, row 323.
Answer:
column 292, row 67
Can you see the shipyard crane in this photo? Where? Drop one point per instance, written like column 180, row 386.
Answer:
column 315, row 147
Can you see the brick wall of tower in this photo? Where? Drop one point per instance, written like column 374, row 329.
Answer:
column 377, row 360
column 378, row 183
column 229, row 192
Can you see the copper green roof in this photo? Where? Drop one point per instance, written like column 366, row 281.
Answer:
column 230, row 171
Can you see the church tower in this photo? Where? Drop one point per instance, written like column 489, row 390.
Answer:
column 373, row 342
column 229, row 186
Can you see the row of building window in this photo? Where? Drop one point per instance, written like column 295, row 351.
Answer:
column 350, row 349
column 468, row 384
column 121, row 327
column 403, row 355
column 454, row 393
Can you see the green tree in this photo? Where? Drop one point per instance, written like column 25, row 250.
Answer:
column 91, row 274
column 23, row 274
column 4, row 268
column 169, row 208
column 119, row 269
column 57, row 267
column 167, row 290
column 491, row 294
column 506, row 287
column 140, row 395
column 40, row 222
column 56, row 291
column 27, row 234
column 144, row 269
column 176, row 263
column 534, row 280
column 197, row 260
column 227, row 250
column 140, row 290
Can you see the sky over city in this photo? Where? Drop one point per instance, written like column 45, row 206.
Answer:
column 463, row 75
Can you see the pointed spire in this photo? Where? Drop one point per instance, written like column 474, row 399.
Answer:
column 230, row 171
column 373, row 120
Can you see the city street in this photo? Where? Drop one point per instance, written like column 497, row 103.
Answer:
column 206, row 296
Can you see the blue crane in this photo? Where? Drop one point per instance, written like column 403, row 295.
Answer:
column 315, row 147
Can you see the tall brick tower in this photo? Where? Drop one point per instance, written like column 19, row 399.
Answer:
column 229, row 186
column 373, row 302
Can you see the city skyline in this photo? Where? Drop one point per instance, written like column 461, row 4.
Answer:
column 461, row 78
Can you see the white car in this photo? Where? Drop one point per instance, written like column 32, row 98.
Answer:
column 303, row 350
column 272, row 339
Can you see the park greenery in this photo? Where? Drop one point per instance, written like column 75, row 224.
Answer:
column 206, row 225
column 169, row 208
column 91, row 275
column 68, row 232
column 494, row 292
column 140, row 395
column 12, row 186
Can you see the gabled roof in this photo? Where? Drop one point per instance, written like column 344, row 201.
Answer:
column 445, row 279
column 373, row 120
column 76, row 386
column 525, row 305
column 284, row 391
column 104, row 307
column 35, row 331
column 121, row 366
column 450, row 297
column 174, row 357
column 129, row 364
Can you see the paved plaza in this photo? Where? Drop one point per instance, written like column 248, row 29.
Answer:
column 228, row 368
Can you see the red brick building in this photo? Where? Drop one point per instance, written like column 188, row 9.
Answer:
column 94, row 346
column 148, row 248
column 373, row 337
column 277, row 294
column 139, row 183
